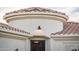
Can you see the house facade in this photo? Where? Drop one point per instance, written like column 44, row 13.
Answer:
column 14, row 36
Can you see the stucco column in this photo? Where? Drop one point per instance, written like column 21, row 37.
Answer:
column 27, row 45
column 47, row 45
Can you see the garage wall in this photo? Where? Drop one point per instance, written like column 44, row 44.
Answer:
column 8, row 44
column 64, row 45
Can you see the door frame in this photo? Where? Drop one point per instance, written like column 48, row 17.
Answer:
column 37, row 40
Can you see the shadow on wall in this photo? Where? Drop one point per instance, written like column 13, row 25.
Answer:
column 16, row 49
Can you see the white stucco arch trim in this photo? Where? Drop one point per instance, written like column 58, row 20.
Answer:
column 66, row 37
column 56, row 16
column 34, row 36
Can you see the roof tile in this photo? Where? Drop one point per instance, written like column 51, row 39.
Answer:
column 69, row 28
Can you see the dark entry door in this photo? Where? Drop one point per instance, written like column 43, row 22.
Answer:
column 37, row 45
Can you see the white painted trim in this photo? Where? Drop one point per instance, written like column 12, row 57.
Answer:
column 36, row 14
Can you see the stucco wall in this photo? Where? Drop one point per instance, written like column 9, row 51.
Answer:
column 8, row 44
column 63, row 45
column 31, row 25
column 69, row 45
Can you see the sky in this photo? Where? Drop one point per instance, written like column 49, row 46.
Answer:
column 72, row 12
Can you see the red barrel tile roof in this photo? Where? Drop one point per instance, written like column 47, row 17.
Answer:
column 69, row 28
column 7, row 27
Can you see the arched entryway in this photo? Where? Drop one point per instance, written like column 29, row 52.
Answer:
column 38, row 43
